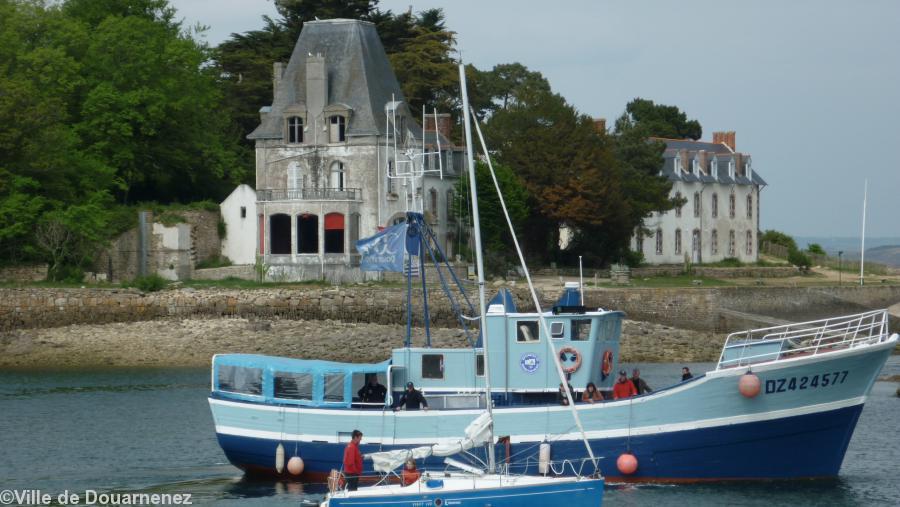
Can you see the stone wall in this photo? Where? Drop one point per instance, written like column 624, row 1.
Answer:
column 34, row 273
column 711, row 272
column 243, row 271
column 702, row 309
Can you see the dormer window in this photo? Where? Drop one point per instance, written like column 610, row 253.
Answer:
column 715, row 168
column 677, row 165
column 295, row 129
column 731, row 169
column 337, row 126
column 695, row 167
column 748, row 170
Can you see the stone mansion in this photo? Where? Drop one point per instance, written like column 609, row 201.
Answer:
column 720, row 217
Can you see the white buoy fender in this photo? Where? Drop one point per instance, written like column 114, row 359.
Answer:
column 279, row 458
column 749, row 385
column 295, row 465
column 627, row 463
column 544, row 458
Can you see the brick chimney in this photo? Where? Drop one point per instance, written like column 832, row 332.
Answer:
column 600, row 125
column 726, row 138
column 444, row 124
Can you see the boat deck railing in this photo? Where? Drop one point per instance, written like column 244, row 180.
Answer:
column 802, row 339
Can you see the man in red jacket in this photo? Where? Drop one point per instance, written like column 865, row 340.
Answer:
column 623, row 388
column 353, row 461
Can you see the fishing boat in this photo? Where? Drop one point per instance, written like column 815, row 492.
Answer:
column 781, row 402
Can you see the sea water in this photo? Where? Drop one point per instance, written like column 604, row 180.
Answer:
column 149, row 431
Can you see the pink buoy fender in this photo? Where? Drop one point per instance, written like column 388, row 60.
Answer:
column 749, row 384
column 295, row 465
column 627, row 463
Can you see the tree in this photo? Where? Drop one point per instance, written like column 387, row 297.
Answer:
column 816, row 249
column 658, row 120
column 778, row 238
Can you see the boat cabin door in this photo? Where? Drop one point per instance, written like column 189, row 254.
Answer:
column 396, row 380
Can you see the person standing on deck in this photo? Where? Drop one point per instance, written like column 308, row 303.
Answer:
column 353, row 461
column 412, row 399
column 372, row 392
column 623, row 388
column 639, row 384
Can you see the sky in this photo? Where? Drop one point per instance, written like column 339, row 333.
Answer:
column 812, row 88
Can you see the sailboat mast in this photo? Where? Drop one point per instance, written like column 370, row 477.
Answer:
column 862, row 248
column 479, row 262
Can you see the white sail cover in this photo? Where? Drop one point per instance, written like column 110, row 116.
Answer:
column 477, row 433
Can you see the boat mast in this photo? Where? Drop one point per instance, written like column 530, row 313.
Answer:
column 479, row 263
column 862, row 247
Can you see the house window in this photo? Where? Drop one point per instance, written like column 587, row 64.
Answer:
column 749, row 243
column 295, row 177
column 695, row 167
column 731, row 169
column 307, row 234
column 337, row 176
column 527, row 331
column 677, row 241
column 678, row 209
column 390, row 179
column 715, row 168
column 449, row 205
column 295, row 129
column 432, row 366
column 433, row 196
column 714, row 242
column 280, row 234
column 715, row 205
column 243, row 212
column 337, row 129
column 731, row 249
column 639, row 241
column 750, row 206
column 659, row 242
column 677, row 165
column 696, row 204
column 695, row 245
column 731, row 205
column 334, row 233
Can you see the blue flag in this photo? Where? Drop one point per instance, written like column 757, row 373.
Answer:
column 383, row 251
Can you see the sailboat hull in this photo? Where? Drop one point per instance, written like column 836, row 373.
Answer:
column 697, row 431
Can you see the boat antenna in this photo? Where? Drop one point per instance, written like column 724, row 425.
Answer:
column 537, row 304
column 479, row 265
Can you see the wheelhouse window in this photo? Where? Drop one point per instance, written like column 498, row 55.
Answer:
column 293, row 386
column 557, row 330
column 337, row 130
column 334, row 387
column 240, row 379
column 433, row 366
column 581, row 330
column 295, row 129
column 479, row 365
column 527, row 331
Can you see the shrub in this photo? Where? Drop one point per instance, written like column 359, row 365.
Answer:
column 633, row 259
column 150, row 283
column 730, row 262
column 815, row 249
column 216, row 261
column 799, row 259
column 778, row 238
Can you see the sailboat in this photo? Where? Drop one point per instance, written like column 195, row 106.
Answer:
column 468, row 485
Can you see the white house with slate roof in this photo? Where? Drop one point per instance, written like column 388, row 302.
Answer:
column 720, row 217
column 322, row 166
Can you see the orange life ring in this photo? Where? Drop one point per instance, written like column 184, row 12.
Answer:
column 606, row 366
column 577, row 357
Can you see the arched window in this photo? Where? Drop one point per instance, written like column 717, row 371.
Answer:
column 695, row 245
column 659, row 242
column 714, row 242
column 731, row 205
column 749, row 243
column 337, row 130
column 677, row 241
column 696, row 204
column 337, row 176
column 750, row 206
column 678, row 208
column 334, row 233
column 295, row 129
column 280, row 234
column 715, row 205
column 307, row 234
column 731, row 248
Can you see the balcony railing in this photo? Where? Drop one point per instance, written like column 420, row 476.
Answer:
column 309, row 194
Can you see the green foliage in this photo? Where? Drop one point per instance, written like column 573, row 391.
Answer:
column 658, row 120
column 778, row 238
column 170, row 219
column 150, row 283
column 815, row 249
column 730, row 262
column 633, row 258
column 799, row 259
column 222, row 228
column 261, row 269
column 216, row 261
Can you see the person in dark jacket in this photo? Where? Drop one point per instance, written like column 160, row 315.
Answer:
column 686, row 374
column 372, row 392
column 412, row 399
column 639, row 383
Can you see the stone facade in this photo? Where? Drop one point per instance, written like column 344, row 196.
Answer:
column 34, row 273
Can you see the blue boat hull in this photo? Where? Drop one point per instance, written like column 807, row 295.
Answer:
column 580, row 494
column 811, row 445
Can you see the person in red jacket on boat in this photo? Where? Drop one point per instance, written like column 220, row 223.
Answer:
column 623, row 388
column 353, row 461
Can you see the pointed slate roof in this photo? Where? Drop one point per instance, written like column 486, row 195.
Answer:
column 359, row 76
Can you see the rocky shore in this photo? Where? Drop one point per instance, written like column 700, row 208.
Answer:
column 191, row 342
